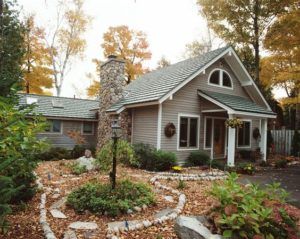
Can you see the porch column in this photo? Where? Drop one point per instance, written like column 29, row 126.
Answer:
column 263, row 144
column 231, row 144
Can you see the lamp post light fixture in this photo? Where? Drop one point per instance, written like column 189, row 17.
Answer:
column 116, row 130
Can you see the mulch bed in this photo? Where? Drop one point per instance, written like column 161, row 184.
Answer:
column 25, row 224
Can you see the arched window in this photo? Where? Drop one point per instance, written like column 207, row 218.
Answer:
column 220, row 78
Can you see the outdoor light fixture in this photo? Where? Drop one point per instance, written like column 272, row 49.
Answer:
column 116, row 133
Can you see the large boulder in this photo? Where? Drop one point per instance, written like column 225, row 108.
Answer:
column 193, row 228
column 87, row 162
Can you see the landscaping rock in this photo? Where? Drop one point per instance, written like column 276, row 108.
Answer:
column 169, row 198
column 70, row 234
column 83, row 225
column 87, row 162
column 164, row 212
column 57, row 214
column 58, row 204
column 113, row 225
column 88, row 153
column 191, row 228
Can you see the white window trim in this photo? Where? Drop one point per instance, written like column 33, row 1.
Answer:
column 198, row 131
column 93, row 128
column 56, row 133
column 250, row 138
column 220, row 79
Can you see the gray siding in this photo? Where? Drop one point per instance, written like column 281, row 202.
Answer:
column 63, row 140
column 187, row 101
column 144, row 125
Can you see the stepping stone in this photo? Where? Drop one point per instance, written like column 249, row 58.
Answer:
column 55, row 196
column 57, row 214
column 164, row 212
column 169, row 198
column 58, row 204
column 112, row 225
column 70, row 234
column 83, row 225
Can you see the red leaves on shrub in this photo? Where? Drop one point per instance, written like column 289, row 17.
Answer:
column 230, row 209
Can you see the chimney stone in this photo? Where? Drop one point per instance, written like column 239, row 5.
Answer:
column 113, row 82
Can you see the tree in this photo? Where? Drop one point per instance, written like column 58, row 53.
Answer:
column 196, row 48
column 163, row 62
column 243, row 23
column 94, row 88
column 282, row 67
column 66, row 41
column 36, row 62
column 130, row 45
column 11, row 47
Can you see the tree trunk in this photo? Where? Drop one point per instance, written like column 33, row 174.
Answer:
column 58, row 90
column 256, row 41
column 297, row 124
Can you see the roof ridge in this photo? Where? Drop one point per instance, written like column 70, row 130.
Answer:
column 53, row 96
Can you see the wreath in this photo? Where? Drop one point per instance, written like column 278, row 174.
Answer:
column 170, row 130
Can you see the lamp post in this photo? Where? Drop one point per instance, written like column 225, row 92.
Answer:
column 115, row 136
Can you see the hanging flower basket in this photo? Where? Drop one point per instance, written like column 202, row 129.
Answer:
column 234, row 123
column 170, row 130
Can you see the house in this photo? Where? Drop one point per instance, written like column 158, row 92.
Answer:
column 184, row 107
column 65, row 115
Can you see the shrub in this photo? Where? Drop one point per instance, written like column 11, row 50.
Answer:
column 77, row 169
column 152, row 159
column 100, row 198
column 218, row 164
column 198, row 158
column 281, row 163
column 54, row 153
column 78, row 151
column 245, row 154
column 264, row 163
column 181, row 184
column 144, row 154
column 246, row 168
column 125, row 155
column 296, row 144
column 245, row 211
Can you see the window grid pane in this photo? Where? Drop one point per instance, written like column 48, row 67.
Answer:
column 193, row 132
column 183, row 132
column 244, row 134
column 56, row 126
column 215, row 78
column 87, row 127
column 188, row 136
column 226, row 80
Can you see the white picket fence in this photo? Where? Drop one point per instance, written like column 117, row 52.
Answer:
column 283, row 141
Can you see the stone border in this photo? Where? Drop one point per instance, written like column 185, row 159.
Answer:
column 214, row 175
column 48, row 233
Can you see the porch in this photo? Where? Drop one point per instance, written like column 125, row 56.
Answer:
column 224, row 142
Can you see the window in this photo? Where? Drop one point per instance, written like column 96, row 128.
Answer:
column 54, row 126
column 244, row 134
column 208, row 133
column 87, row 128
column 188, row 132
column 220, row 78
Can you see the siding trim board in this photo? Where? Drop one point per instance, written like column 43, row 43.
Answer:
column 159, row 122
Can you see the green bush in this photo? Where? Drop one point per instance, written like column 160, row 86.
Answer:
column 245, row 211
column 218, row 164
column 77, row 169
column 198, row 158
column 152, row 159
column 125, row 155
column 281, row 163
column 54, row 153
column 144, row 155
column 100, row 198
column 78, row 151
column 246, row 168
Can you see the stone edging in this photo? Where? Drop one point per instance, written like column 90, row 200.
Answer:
column 48, row 233
column 114, row 233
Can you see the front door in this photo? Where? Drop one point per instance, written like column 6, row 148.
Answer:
column 219, row 138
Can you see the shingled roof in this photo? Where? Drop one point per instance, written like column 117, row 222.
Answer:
column 156, row 84
column 237, row 103
column 61, row 107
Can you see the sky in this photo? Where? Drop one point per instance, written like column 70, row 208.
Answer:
column 169, row 25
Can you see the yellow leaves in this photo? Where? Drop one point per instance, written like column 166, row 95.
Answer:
column 130, row 45
column 94, row 89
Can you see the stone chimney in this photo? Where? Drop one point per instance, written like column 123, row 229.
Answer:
column 113, row 82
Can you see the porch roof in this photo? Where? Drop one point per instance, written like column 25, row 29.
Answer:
column 236, row 104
